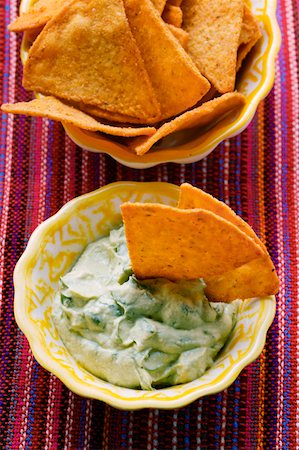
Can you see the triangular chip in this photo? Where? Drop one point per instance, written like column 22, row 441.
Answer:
column 173, row 243
column 192, row 197
column 177, row 83
column 214, row 29
column 83, row 57
column 38, row 15
column 250, row 34
column 173, row 15
column 205, row 114
column 56, row 110
column 254, row 279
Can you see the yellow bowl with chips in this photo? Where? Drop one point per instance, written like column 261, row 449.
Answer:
column 254, row 80
column 51, row 251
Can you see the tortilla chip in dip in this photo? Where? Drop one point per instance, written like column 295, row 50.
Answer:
column 55, row 109
column 256, row 278
column 205, row 114
column 177, row 83
column 192, row 197
column 176, row 244
column 80, row 53
column 214, row 28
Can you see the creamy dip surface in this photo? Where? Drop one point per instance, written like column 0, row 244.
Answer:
column 137, row 333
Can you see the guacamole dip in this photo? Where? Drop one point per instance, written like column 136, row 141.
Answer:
column 137, row 333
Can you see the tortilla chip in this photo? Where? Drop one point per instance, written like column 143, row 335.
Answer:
column 192, row 197
column 177, row 83
column 214, row 29
column 205, row 114
column 254, row 279
column 250, row 34
column 56, row 110
column 173, row 243
column 38, row 15
column 179, row 34
column 159, row 5
column 83, row 57
column 172, row 14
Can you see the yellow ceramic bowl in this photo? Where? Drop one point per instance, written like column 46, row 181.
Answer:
column 254, row 81
column 51, row 251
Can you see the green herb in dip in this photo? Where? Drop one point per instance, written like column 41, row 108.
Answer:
column 132, row 333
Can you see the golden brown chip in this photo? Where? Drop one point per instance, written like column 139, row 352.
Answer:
column 56, row 110
column 205, row 114
column 179, row 34
column 250, row 34
column 214, row 29
column 173, row 14
column 38, row 15
column 159, row 5
column 177, row 83
column 83, row 57
column 254, row 279
column 173, row 243
column 192, row 197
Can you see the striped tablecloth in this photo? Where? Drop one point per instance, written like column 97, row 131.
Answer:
column 256, row 173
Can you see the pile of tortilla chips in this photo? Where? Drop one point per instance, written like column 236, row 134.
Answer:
column 200, row 238
column 139, row 69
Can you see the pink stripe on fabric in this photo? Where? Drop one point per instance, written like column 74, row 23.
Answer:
column 36, row 125
column 156, row 430
column 226, row 172
column 84, row 171
column 105, row 442
column 10, row 6
column 69, row 422
column 150, row 429
column 249, row 178
column 204, row 166
column 293, row 86
column 52, row 425
column 223, row 420
column 164, row 173
column 198, row 421
column 26, row 371
column 280, row 258
column 130, row 430
column 69, row 170
column 102, row 175
column 182, row 173
column 175, row 430
column 249, row 412
column 43, row 171
column 87, row 428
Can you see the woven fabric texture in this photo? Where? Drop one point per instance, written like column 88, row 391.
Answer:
column 256, row 173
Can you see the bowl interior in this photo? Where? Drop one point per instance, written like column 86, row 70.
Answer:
column 51, row 251
column 254, row 80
